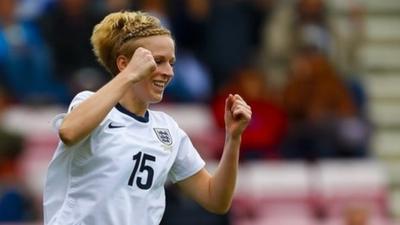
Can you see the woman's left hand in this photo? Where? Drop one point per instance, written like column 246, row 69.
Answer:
column 237, row 115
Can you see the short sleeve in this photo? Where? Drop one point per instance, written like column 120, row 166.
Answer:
column 79, row 98
column 188, row 161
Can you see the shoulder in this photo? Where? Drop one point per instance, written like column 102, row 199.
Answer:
column 84, row 94
column 80, row 97
column 163, row 120
column 159, row 116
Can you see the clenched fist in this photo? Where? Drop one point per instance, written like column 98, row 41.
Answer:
column 237, row 115
column 140, row 65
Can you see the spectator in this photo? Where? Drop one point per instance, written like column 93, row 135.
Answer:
column 263, row 137
column 189, row 19
column 313, row 29
column 231, row 37
column 15, row 204
column 67, row 27
column 25, row 66
column 222, row 33
column 292, row 26
column 319, row 106
column 278, row 42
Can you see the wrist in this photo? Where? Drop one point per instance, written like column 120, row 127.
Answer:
column 233, row 137
column 129, row 76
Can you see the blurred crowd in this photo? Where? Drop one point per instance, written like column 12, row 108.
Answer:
column 285, row 58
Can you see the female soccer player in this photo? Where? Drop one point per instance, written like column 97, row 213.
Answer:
column 115, row 154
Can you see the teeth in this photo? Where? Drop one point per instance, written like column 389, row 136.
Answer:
column 159, row 84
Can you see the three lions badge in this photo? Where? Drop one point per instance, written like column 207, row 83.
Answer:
column 163, row 135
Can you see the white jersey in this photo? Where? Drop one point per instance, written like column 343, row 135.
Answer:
column 116, row 175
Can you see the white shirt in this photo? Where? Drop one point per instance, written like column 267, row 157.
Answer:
column 116, row 175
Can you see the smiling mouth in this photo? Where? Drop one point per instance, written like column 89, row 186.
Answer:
column 159, row 84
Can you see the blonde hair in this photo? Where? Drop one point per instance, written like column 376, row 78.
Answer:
column 114, row 34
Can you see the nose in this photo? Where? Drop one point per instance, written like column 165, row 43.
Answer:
column 168, row 70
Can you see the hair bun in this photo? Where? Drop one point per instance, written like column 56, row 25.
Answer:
column 118, row 28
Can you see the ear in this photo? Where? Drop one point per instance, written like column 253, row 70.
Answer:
column 122, row 62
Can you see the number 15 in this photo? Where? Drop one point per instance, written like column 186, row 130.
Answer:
column 143, row 167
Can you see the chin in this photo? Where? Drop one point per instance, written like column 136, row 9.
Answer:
column 156, row 99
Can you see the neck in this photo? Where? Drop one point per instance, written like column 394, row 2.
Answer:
column 134, row 105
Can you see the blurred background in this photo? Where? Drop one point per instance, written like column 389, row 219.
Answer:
column 322, row 77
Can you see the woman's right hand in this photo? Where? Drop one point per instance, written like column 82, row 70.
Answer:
column 85, row 117
column 140, row 65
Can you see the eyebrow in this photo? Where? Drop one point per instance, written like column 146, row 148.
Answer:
column 173, row 59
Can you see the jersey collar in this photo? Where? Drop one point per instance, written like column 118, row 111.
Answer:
column 123, row 110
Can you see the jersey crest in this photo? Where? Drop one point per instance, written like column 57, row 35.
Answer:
column 163, row 135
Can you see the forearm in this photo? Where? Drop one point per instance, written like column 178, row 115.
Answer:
column 215, row 192
column 222, row 183
column 88, row 115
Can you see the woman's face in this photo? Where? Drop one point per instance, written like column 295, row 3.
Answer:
column 151, row 88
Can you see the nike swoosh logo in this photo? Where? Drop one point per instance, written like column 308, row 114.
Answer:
column 111, row 126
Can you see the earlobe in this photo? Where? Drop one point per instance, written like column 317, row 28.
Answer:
column 122, row 62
